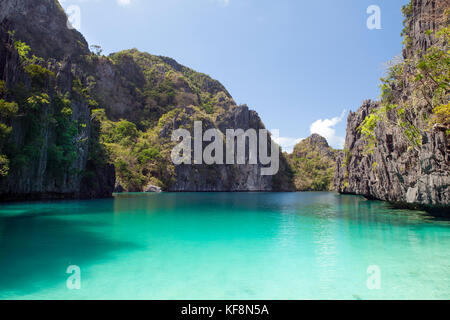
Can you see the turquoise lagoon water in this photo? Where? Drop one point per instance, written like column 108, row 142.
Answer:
column 222, row 246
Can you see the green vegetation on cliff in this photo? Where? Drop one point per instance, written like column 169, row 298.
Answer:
column 35, row 105
column 159, row 84
column 418, row 85
column 137, row 155
column 7, row 111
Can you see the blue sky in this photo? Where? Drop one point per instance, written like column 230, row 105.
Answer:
column 302, row 65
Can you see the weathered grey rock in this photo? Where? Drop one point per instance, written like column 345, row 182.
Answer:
column 152, row 188
column 43, row 25
column 118, row 188
column 234, row 178
column 396, row 171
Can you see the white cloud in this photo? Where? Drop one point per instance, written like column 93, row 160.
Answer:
column 123, row 3
column 326, row 128
column 287, row 144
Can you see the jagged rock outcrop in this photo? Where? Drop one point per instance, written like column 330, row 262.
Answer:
column 152, row 188
column 314, row 143
column 313, row 163
column 393, row 172
column 398, row 167
column 422, row 16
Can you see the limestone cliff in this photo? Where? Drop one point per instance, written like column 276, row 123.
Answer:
column 398, row 149
column 234, row 178
column 43, row 25
column 157, row 95
column 74, row 124
column 46, row 131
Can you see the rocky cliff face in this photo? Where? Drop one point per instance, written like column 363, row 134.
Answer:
column 43, row 25
column 158, row 96
column 393, row 152
column 235, row 178
column 39, row 166
column 78, row 125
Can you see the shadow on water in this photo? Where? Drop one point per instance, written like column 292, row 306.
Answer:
column 357, row 205
column 437, row 215
column 327, row 205
column 36, row 249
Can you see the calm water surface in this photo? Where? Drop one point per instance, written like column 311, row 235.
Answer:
column 222, row 246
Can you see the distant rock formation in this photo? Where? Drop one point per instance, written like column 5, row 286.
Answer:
column 313, row 163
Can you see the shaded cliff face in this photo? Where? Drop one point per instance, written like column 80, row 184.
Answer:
column 47, row 130
column 43, row 25
column 313, row 163
column 398, row 149
column 79, row 125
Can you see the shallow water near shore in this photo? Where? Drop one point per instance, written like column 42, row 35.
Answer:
column 222, row 246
